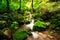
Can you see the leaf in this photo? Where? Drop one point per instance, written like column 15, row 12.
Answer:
column 14, row 25
column 40, row 24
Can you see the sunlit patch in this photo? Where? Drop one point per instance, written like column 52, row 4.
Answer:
column 28, row 4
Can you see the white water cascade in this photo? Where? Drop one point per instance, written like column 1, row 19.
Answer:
column 30, row 25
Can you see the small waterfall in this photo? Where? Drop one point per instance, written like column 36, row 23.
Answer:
column 30, row 25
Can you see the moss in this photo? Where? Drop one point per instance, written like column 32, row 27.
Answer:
column 19, row 35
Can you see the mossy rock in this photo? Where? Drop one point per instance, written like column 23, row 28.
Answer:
column 19, row 35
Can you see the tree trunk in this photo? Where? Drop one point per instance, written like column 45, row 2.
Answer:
column 8, row 8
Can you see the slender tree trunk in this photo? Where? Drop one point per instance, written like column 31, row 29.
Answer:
column 8, row 8
column 32, row 7
column 19, row 9
column 20, row 5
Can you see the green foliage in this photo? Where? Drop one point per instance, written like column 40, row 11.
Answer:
column 3, row 6
column 19, row 35
column 2, row 24
column 40, row 24
column 14, row 25
column 52, row 26
column 1, row 32
column 14, row 5
column 54, row 0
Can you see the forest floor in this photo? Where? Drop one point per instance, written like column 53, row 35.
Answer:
column 45, row 36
